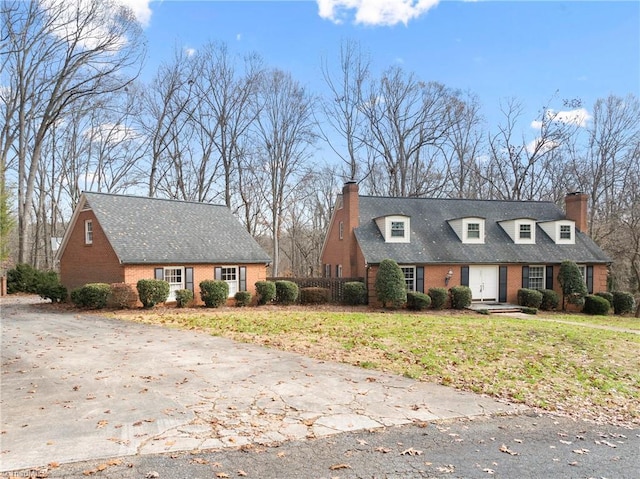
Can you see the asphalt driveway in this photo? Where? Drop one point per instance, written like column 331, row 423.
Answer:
column 78, row 387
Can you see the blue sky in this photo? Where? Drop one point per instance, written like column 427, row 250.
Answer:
column 496, row 49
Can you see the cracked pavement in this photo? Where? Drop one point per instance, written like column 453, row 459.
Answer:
column 78, row 387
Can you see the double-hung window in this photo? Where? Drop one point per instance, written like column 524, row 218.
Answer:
column 229, row 274
column 565, row 232
column 175, row 277
column 473, row 230
column 88, row 232
column 525, row 231
column 397, row 229
column 536, row 277
column 409, row 277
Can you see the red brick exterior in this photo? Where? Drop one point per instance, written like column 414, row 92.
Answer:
column 82, row 263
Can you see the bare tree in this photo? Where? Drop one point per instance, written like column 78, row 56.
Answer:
column 285, row 129
column 54, row 54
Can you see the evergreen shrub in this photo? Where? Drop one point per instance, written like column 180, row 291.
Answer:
column 550, row 300
column 355, row 293
column 596, row 305
column 417, row 301
column 391, row 288
column 286, row 292
column 460, row 297
column 438, row 297
column 214, row 292
column 530, row 298
column 243, row 298
column 266, row 291
column 91, row 296
column 315, row 295
column 623, row 302
column 184, row 297
column 152, row 292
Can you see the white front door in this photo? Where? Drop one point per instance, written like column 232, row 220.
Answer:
column 483, row 281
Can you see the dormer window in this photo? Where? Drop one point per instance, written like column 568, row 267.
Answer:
column 473, row 230
column 525, row 232
column 565, row 232
column 394, row 228
column 520, row 230
column 560, row 231
column 469, row 230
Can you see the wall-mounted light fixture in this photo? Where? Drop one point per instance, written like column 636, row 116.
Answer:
column 448, row 277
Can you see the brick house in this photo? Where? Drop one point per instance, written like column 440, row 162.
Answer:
column 121, row 239
column 494, row 247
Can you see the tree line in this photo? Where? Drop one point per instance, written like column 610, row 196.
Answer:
column 220, row 127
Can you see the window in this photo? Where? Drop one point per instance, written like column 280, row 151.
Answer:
column 338, row 271
column 341, row 229
column 536, row 277
column 565, row 232
column 525, row 231
column 88, row 232
column 397, row 229
column 327, row 271
column 175, row 277
column 409, row 277
column 229, row 274
column 473, row 230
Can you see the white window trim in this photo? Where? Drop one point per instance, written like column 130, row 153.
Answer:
column 235, row 283
column 544, row 275
column 388, row 221
column 405, row 267
column 88, row 231
column 465, row 230
column 532, row 227
column 173, row 287
column 341, row 230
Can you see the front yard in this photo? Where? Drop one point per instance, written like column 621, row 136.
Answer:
column 564, row 368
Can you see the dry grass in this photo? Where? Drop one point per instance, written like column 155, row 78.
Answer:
column 564, row 368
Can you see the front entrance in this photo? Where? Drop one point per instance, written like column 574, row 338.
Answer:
column 483, row 281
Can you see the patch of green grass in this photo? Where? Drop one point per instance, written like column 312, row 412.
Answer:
column 553, row 365
column 622, row 322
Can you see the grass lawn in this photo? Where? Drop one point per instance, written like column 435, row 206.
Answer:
column 573, row 369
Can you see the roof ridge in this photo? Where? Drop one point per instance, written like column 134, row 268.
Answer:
column 383, row 197
column 172, row 200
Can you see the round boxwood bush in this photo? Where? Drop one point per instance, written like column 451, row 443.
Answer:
column 438, row 297
column 314, row 295
column 595, row 305
column 460, row 297
column 121, row 296
column 355, row 293
column 214, row 292
column 417, row 301
column 152, row 292
column 606, row 295
column 243, row 298
column 266, row 291
column 184, row 297
column 550, row 300
column 391, row 288
column 623, row 302
column 286, row 292
column 531, row 298
column 91, row 295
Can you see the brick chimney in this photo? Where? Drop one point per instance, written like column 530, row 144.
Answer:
column 575, row 205
column 351, row 203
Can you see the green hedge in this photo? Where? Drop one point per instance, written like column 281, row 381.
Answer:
column 243, row 298
column 214, row 292
column 460, row 297
column 184, row 297
column 22, row 279
column 91, row 295
column 596, row 305
column 550, row 300
column 315, row 295
column 391, row 288
column 417, row 301
column 286, row 292
column 623, row 302
column 355, row 293
column 531, row 298
column 266, row 291
column 438, row 297
column 152, row 292
column 606, row 295
column 49, row 287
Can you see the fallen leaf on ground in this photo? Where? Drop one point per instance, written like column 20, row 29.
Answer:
column 488, row 471
column 339, row 466
column 242, row 473
column 152, row 475
column 222, row 475
column 410, row 452
column 505, row 448
column 382, row 449
column 581, row 451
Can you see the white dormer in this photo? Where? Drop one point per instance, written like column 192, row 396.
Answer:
column 395, row 228
column 560, row 231
column 470, row 230
column 521, row 230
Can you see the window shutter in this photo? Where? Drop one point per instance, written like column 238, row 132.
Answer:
column 548, row 283
column 590, row 279
column 243, row 278
column 188, row 279
column 420, row 279
column 525, row 276
column 502, row 282
column 217, row 273
column 464, row 276
column 159, row 273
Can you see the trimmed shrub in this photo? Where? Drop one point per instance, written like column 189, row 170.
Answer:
column 214, row 292
column 573, row 288
column 355, row 293
column 22, row 279
column 91, row 295
column 152, row 292
column 315, row 295
column 623, row 302
column 550, row 300
column 530, row 298
column 121, row 296
column 184, row 297
column 596, row 305
column 266, row 291
column 49, row 287
column 460, row 297
column 391, row 288
column 606, row 295
column 286, row 292
column 438, row 297
column 527, row 310
column 243, row 298
column 417, row 301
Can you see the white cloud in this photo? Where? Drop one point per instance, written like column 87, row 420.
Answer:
column 140, row 9
column 541, row 145
column 579, row 117
column 112, row 133
column 375, row 12
column 190, row 51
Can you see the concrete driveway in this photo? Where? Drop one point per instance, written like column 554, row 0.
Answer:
column 77, row 387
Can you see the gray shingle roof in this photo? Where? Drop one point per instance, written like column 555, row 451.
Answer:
column 149, row 230
column 434, row 241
